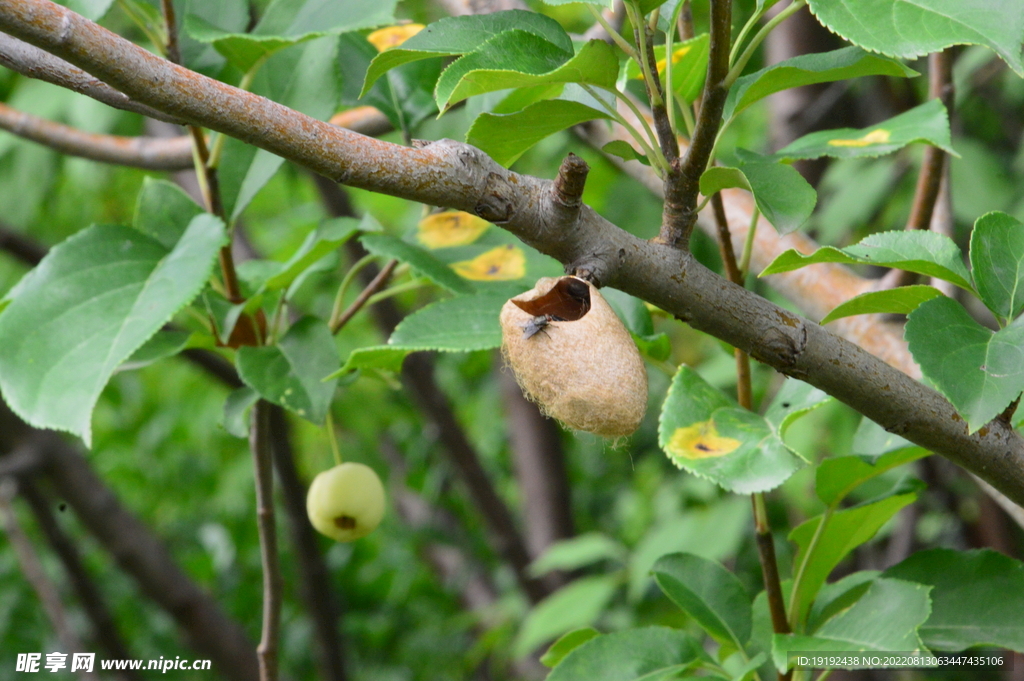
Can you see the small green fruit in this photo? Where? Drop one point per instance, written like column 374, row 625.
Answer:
column 346, row 502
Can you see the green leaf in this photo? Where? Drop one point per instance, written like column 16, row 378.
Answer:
column 599, row 3
column 838, row 596
column 380, row 357
column 236, row 411
column 465, row 34
column 708, row 593
column 93, row 10
column 625, row 151
column 924, row 252
column 705, row 433
column 92, row 302
column 838, row 476
column 454, row 325
column 782, row 194
column 164, row 343
column 287, row 22
column 808, row 69
column 566, row 644
column 505, row 137
column 516, row 59
column 163, row 211
column 997, row 262
column 629, row 655
column 578, row 552
column 291, row 373
column 714, row 532
column 793, row 400
column 575, row 605
column 912, row 28
column 977, row 597
column 901, row 300
column 885, row 618
column 842, row 532
column 978, row 370
column 689, row 69
column 324, row 239
column 419, row 259
column 927, row 123
column 871, row 440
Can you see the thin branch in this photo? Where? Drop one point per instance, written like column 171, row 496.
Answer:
column 259, row 443
column 33, row 570
column 138, row 552
column 682, row 185
column 656, row 95
column 315, row 584
column 933, row 165
column 375, row 285
column 454, row 175
column 107, row 635
column 148, row 153
column 33, row 62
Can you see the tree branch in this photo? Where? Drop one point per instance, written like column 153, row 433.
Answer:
column 148, row 153
column 259, row 443
column 315, row 585
column 458, row 176
column 137, row 551
column 32, row 568
column 682, row 185
column 107, row 635
column 33, row 62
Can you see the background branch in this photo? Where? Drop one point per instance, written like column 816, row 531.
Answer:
column 148, row 153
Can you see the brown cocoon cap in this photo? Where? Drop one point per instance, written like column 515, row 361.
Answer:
column 585, row 372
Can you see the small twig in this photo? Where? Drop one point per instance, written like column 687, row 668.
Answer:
column 770, row 571
column 683, row 181
column 148, row 153
column 755, row 42
column 929, row 179
column 315, row 585
column 744, row 395
column 375, row 285
column 656, row 96
column 259, row 443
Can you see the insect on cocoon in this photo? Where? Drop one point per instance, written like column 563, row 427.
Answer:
column 574, row 358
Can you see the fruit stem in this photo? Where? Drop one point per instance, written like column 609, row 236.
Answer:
column 333, row 438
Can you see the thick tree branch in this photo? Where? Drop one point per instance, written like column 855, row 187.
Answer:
column 148, row 153
column 33, row 62
column 458, row 176
column 682, row 185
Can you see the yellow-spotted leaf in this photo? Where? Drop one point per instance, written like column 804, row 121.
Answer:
column 393, row 36
column 704, row 432
column 927, row 123
column 504, row 263
column 450, row 228
column 700, row 441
